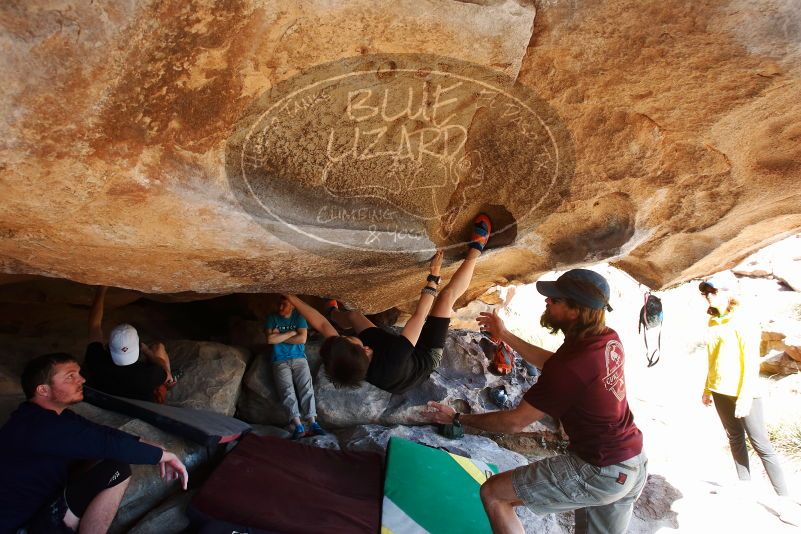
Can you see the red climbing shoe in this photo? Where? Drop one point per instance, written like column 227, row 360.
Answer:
column 482, row 227
column 330, row 305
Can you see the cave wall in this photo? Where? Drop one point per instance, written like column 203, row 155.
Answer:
column 663, row 136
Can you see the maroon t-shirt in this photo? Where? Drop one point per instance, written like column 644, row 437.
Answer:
column 583, row 386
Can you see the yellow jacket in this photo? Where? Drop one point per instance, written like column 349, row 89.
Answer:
column 733, row 351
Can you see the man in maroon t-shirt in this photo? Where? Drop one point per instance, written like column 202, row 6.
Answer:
column 582, row 384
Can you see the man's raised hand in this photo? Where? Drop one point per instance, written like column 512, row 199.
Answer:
column 492, row 324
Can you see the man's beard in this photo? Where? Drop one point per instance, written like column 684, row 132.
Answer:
column 68, row 400
column 548, row 322
column 713, row 311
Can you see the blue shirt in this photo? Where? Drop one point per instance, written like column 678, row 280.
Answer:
column 287, row 351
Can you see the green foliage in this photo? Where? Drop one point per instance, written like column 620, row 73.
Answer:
column 786, row 437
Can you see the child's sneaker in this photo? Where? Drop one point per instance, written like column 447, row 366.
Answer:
column 316, row 429
column 299, row 431
column 482, row 227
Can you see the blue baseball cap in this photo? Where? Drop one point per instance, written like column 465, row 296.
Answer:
column 583, row 286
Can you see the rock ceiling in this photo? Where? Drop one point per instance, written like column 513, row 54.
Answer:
column 327, row 147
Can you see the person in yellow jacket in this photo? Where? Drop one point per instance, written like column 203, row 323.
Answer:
column 732, row 384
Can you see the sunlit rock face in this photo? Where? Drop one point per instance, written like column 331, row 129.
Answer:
column 328, row 147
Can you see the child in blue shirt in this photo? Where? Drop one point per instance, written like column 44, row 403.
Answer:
column 286, row 331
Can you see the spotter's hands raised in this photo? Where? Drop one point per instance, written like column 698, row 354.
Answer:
column 491, row 324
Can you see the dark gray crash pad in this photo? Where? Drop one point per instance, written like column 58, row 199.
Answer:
column 201, row 426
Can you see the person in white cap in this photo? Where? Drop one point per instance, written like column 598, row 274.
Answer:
column 732, row 385
column 118, row 369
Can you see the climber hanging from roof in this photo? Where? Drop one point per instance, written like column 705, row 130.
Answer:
column 395, row 362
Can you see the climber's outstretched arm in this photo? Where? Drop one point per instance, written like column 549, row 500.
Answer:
column 313, row 317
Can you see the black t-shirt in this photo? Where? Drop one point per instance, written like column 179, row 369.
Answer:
column 396, row 366
column 135, row 381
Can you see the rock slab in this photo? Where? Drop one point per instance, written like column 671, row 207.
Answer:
column 146, row 489
column 211, row 374
column 463, row 379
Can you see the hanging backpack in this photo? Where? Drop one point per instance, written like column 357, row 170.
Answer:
column 504, row 361
column 651, row 316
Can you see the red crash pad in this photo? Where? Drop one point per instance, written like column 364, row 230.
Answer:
column 283, row 486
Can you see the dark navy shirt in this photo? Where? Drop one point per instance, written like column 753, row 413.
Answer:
column 37, row 447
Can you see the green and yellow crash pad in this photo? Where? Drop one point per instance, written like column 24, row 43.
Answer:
column 429, row 490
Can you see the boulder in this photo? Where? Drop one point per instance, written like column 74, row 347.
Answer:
column 494, row 298
column 167, row 518
column 10, row 393
column 789, row 272
column 785, row 340
column 269, row 430
column 780, row 260
column 463, row 379
column 260, row 402
column 794, row 350
column 375, row 438
column 346, row 407
column 146, row 489
column 779, row 363
column 653, row 511
column 248, row 334
column 9, row 382
column 326, row 441
column 210, row 375
column 122, row 124
column 771, row 341
column 53, row 291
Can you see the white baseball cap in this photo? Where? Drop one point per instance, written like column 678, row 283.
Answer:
column 123, row 344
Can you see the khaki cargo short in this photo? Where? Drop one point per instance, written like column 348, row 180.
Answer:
column 603, row 497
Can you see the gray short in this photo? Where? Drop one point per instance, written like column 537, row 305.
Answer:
column 603, row 497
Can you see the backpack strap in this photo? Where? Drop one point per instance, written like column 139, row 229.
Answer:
column 653, row 357
column 657, row 352
column 642, row 314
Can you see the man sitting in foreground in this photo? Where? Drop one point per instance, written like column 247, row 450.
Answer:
column 41, row 442
column 582, row 384
column 118, row 368
column 393, row 362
